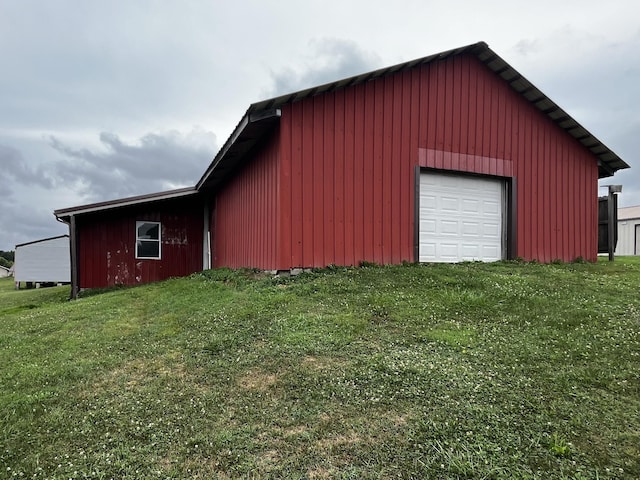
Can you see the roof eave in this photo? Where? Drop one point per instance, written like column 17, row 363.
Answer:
column 41, row 240
column 608, row 161
column 64, row 214
column 253, row 126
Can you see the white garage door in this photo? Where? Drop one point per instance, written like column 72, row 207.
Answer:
column 460, row 218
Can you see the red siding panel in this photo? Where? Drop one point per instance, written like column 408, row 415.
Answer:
column 247, row 213
column 339, row 175
column 106, row 243
column 359, row 174
column 349, row 162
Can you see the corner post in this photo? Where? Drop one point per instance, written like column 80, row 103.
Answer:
column 612, row 223
column 73, row 246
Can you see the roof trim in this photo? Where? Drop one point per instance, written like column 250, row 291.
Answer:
column 609, row 162
column 124, row 202
column 629, row 213
column 250, row 130
column 41, row 240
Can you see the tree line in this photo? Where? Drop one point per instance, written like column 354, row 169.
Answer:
column 6, row 258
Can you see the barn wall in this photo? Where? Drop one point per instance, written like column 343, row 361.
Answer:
column 346, row 185
column 106, row 244
column 245, row 216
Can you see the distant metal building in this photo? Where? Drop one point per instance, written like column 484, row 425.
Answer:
column 43, row 261
column 628, row 231
column 4, row 272
column 450, row 157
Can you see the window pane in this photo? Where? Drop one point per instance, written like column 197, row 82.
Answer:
column 149, row 231
column 148, row 248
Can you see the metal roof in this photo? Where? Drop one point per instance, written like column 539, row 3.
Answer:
column 65, row 213
column 628, row 213
column 262, row 116
column 41, row 240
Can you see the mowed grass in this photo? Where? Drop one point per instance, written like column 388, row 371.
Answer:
column 505, row 370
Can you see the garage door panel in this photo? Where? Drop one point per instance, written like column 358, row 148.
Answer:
column 428, row 226
column 460, row 218
column 449, row 204
column 429, row 251
column 429, row 202
column 471, row 229
column 448, row 227
column 490, row 251
column 491, row 229
column 470, row 206
column 469, row 252
column 491, row 208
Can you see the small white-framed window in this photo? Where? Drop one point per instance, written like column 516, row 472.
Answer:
column 148, row 240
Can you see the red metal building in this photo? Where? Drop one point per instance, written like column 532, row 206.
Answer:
column 450, row 157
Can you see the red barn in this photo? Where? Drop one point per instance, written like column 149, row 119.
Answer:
column 450, row 157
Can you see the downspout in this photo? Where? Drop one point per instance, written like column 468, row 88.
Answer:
column 206, row 237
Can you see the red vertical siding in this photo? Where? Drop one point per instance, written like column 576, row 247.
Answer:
column 247, row 214
column 106, row 243
column 350, row 163
column 344, row 181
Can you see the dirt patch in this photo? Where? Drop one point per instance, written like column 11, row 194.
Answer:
column 268, row 459
column 340, row 440
column 323, row 363
column 257, row 381
column 138, row 372
column 319, row 472
column 295, row 431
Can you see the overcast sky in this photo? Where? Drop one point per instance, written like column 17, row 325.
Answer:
column 103, row 99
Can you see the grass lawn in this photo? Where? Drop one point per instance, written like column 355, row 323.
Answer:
column 504, row 370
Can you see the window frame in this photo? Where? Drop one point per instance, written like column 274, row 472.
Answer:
column 139, row 223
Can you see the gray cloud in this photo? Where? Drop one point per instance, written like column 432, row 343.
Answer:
column 327, row 60
column 156, row 162
column 34, row 224
column 16, row 170
column 73, row 176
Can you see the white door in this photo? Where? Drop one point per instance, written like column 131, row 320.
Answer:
column 460, row 218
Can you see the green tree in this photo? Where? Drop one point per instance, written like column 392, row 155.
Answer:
column 6, row 258
column 8, row 255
